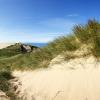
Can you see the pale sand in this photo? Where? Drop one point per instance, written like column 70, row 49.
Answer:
column 77, row 79
column 4, row 45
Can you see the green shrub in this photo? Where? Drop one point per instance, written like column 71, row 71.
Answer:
column 5, row 76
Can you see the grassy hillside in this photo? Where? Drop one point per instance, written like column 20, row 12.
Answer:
column 12, row 50
column 88, row 34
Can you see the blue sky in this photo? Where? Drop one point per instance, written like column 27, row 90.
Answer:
column 43, row 20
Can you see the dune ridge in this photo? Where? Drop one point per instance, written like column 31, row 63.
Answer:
column 77, row 79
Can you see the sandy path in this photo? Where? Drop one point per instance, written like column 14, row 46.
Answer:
column 61, row 84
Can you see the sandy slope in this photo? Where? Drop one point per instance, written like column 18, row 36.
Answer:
column 77, row 79
column 4, row 45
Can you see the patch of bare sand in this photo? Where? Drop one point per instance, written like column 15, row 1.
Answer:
column 4, row 45
column 78, row 79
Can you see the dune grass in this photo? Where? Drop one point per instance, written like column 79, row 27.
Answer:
column 88, row 34
column 41, row 58
column 11, row 58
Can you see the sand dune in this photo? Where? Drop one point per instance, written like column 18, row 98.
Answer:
column 62, row 82
column 4, row 45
